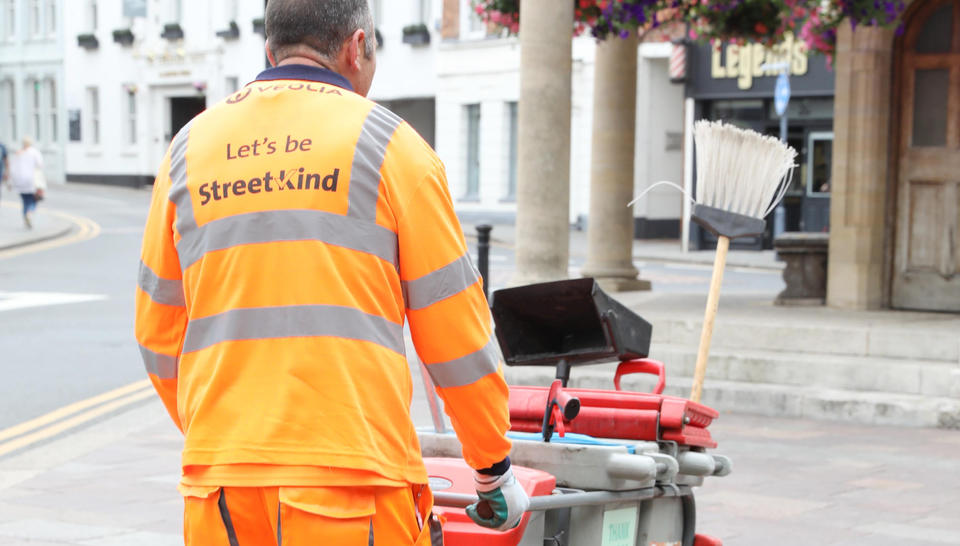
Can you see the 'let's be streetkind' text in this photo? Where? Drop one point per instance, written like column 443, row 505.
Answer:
column 297, row 178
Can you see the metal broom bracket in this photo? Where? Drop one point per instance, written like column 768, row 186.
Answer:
column 560, row 406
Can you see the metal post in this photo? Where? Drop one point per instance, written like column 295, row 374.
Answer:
column 780, row 213
column 780, row 102
column 483, row 256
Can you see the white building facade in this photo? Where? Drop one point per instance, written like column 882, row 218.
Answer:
column 32, row 79
column 478, row 77
column 138, row 70
column 406, row 79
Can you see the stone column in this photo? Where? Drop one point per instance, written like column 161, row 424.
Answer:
column 610, row 226
column 450, row 23
column 543, row 149
column 857, row 272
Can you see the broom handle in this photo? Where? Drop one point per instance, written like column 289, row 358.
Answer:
column 713, row 301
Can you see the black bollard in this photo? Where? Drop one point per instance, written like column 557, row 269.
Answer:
column 483, row 256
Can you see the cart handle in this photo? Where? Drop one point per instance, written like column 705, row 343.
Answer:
column 642, row 365
column 570, row 500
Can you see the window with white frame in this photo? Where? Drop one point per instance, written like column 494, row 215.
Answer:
column 511, row 193
column 130, row 114
column 231, row 10
column 51, row 17
column 92, row 15
column 34, row 103
column 472, row 115
column 51, row 91
column 423, row 11
column 174, row 11
column 93, row 117
column 8, row 111
column 8, row 23
column 36, row 23
column 471, row 26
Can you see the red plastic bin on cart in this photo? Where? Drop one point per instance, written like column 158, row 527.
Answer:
column 454, row 476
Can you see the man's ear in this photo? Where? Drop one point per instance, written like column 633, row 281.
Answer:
column 270, row 57
column 356, row 48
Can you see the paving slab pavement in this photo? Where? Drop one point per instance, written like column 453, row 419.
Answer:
column 795, row 482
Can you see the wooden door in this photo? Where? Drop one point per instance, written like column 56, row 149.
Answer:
column 927, row 251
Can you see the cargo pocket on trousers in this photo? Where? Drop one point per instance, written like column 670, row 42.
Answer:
column 431, row 534
column 431, row 530
column 342, row 515
column 206, row 519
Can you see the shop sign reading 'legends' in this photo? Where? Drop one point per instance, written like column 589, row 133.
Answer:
column 746, row 62
column 732, row 71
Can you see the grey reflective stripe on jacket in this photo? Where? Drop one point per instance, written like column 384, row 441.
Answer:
column 368, row 157
column 293, row 321
column 441, row 283
column 287, row 225
column 160, row 290
column 466, row 369
column 161, row 365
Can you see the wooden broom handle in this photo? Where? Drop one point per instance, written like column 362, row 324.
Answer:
column 713, row 301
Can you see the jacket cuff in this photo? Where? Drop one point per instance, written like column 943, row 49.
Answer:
column 497, row 469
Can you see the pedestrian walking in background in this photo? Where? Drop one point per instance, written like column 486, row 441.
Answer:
column 27, row 179
column 4, row 165
column 294, row 227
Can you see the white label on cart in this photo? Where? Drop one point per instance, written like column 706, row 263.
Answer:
column 620, row 527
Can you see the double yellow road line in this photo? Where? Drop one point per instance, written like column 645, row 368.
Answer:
column 47, row 426
column 86, row 229
column 74, row 415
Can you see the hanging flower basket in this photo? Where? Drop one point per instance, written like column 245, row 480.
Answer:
column 172, row 31
column 88, row 41
column 232, row 32
column 759, row 21
column 416, row 34
column 123, row 36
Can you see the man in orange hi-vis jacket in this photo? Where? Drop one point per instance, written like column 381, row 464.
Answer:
column 293, row 227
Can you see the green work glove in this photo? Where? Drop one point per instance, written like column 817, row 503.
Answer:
column 505, row 501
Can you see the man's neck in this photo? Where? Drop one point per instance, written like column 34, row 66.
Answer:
column 306, row 61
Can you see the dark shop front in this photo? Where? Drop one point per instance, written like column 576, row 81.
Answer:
column 735, row 84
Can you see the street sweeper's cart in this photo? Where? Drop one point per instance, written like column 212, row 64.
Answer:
column 603, row 467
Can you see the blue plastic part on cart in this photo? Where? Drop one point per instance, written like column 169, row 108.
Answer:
column 569, row 438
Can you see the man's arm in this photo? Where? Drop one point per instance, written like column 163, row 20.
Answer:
column 453, row 332
column 161, row 315
column 450, row 322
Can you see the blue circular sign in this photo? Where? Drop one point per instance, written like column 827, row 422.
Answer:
column 781, row 95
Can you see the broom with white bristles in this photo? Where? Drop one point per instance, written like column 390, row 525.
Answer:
column 741, row 176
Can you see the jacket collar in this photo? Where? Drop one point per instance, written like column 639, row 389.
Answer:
column 305, row 73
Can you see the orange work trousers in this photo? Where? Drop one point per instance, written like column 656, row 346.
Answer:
column 295, row 516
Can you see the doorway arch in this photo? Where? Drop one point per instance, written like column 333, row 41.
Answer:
column 926, row 257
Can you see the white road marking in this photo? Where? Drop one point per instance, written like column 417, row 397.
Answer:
column 23, row 300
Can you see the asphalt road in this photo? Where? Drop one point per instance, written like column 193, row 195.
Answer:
column 51, row 353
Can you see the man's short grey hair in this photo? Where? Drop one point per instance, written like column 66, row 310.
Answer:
column 318, row 25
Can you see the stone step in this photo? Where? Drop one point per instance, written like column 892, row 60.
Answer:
column 855, row 373
column 914, row 341
column 874, row 408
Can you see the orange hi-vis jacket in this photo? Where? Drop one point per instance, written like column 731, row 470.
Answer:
column 293, row 227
